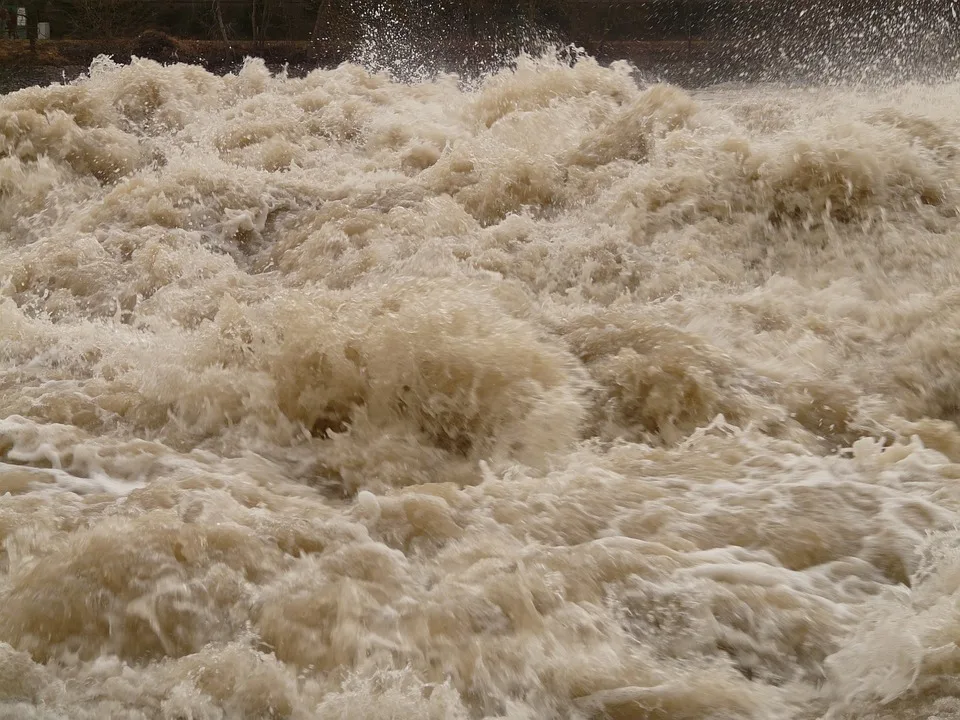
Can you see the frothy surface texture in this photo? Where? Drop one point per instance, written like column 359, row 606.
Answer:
column 553, row 396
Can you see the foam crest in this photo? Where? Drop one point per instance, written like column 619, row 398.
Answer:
column 550, row 395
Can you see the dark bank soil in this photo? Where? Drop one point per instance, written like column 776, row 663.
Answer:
column 64, row 60
column 688, row 63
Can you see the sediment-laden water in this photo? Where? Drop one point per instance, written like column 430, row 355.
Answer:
column 553, row 395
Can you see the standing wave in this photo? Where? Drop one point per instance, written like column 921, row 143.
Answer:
column 548, row 395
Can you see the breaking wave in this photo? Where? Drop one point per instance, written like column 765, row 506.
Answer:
column 549, row 395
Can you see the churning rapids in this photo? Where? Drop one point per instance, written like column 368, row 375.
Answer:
column 555, row 395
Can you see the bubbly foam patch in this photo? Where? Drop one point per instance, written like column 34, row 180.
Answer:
column 548, row 396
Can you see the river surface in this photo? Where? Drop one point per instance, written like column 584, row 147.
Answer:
column 550, row 395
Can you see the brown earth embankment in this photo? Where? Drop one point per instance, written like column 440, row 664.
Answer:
column 690, row 62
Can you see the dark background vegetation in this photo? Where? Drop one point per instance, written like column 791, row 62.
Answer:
column 721, row 39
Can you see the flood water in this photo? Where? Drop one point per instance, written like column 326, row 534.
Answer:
column 549, row 395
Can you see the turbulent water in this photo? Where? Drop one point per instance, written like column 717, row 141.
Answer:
column 552, row 395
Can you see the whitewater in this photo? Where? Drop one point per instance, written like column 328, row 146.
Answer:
column 553, row 394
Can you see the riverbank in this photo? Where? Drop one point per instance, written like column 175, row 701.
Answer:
column 64, row 60
column 689, row 63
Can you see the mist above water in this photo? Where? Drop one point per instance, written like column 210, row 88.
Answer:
column 553, row 394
